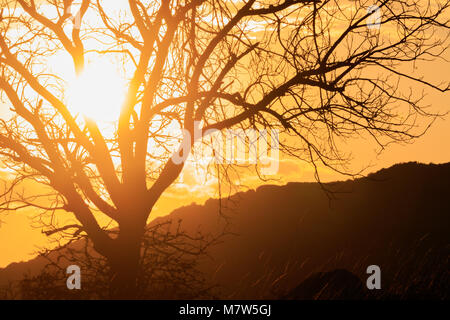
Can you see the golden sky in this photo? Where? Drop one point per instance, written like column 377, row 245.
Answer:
column 20, row 237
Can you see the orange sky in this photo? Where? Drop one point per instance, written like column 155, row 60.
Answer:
column 19, row 240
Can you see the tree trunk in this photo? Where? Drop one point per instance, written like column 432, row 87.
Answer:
column 125, row 263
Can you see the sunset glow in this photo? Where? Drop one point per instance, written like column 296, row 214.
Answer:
column 98, row 93
column 224, row 150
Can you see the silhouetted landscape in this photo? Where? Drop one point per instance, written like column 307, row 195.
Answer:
column 194, row 150
column 289, row 242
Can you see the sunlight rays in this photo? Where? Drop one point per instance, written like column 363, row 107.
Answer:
column 98, row 93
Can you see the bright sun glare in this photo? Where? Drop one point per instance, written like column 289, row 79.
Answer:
column 98, row 93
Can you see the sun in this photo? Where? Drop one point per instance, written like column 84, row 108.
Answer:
column 98, row 93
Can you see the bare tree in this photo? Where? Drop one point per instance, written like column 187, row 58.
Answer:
column 169, row 268
column 314, row 70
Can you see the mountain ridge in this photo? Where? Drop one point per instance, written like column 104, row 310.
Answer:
column 393, row 217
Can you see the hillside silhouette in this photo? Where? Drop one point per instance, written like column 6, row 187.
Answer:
column 279, row 236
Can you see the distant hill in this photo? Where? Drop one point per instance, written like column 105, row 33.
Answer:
column 397, row 218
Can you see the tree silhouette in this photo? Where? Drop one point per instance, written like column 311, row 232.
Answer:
column 169, row 268
column 316, row 71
